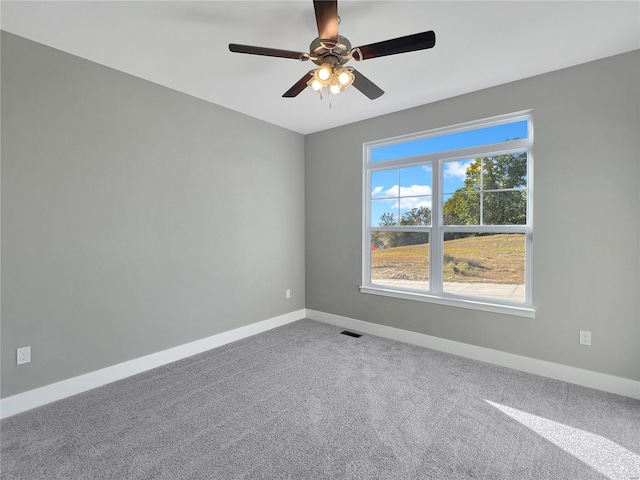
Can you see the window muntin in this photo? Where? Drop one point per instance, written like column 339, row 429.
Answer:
column 475, row 220
column 493, row 191
column 401, row 196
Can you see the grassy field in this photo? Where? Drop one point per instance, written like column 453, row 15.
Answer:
column 488, row 259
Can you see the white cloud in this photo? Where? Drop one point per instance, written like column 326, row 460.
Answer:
column 414, row 202
column 457, row 169
column 414, row 190
column 410, row 197
column 391, row 192
column 395, row 191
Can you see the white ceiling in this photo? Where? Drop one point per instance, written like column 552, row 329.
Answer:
column 184, row 45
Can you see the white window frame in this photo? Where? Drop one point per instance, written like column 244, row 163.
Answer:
column 437, row 229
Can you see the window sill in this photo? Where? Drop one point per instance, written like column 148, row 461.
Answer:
column 473, row 304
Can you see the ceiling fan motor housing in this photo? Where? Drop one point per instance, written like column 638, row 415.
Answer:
column 330, row 51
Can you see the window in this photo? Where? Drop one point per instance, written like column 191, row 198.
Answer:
column 447, row 215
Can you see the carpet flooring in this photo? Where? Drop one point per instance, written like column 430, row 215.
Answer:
column 304, row 402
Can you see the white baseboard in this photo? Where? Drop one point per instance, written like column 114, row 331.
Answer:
column 56, row 391
column 586, row 378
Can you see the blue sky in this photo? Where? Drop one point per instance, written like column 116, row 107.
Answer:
column 452, row 141
column 399, row 190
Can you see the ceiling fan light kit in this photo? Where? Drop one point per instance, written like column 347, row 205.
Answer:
column 335, row 77
column 331, row 51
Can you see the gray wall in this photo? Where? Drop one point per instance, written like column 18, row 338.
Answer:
column 135, row 218
column 586, row 219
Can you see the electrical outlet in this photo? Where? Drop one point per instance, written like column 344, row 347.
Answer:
column 287, row 293
column 585, row 337
column 23, row 355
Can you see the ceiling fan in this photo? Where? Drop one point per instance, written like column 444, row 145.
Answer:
column 331, row 51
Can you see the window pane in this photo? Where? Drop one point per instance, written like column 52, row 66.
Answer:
column 384, row 183
column 504, row 208
column 485, row 265
column 415, row 211
column 384, row 212
column 461, row 208
column 400, row 259
column 505, row 171
column 415, row 193
column 453, row 141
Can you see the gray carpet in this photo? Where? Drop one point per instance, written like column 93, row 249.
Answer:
column 304, row 402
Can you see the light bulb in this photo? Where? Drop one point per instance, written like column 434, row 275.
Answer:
column 335, row 88
column 316, row 85
column 344, row 77
column 324, row 72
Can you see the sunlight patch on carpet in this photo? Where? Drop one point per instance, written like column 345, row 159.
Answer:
column 600, row 453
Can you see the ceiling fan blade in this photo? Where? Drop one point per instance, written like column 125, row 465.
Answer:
column 327, row 19
column 366, row 86
column 410, row 43
column 299, row 86
column 268, row 52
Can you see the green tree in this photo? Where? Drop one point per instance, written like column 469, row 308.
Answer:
column 387, row 219
column 416, row 216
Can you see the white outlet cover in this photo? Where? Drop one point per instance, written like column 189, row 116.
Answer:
column 23, row 355
column 585, row 337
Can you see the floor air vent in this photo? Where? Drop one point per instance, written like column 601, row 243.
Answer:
column 350, row 334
